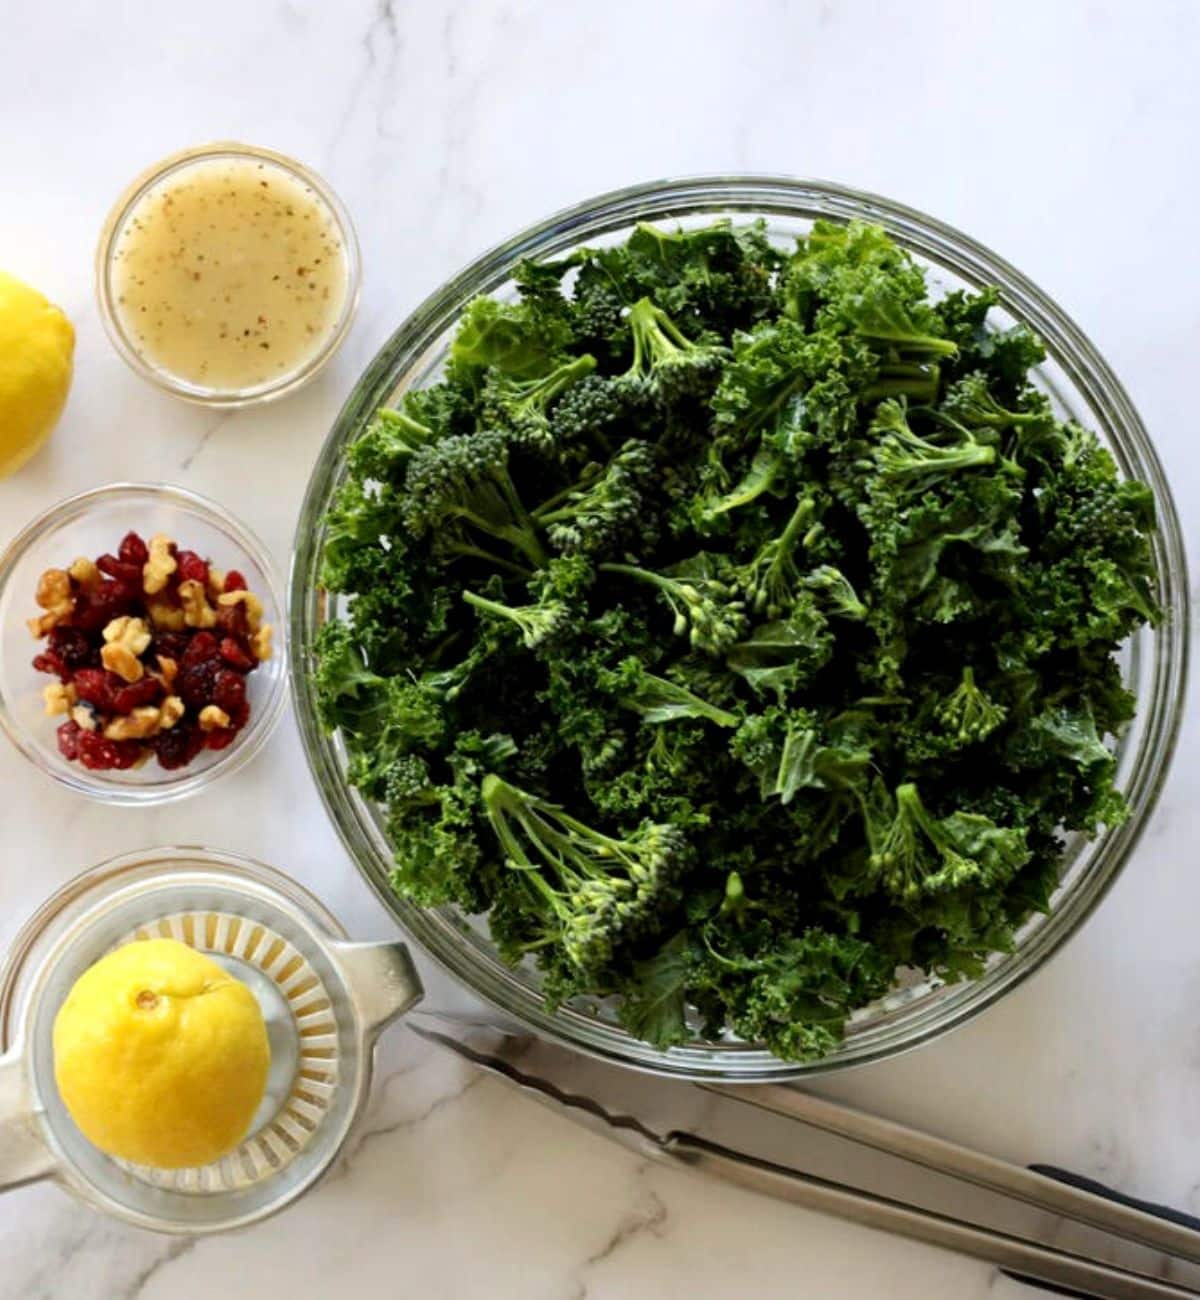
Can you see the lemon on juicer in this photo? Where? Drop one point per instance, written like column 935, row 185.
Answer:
column 160, row 1055
column 37, row 343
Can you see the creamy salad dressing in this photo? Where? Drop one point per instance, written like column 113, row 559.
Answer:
column 229, row 273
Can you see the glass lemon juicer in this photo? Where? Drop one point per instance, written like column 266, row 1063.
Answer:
column 325, row 1000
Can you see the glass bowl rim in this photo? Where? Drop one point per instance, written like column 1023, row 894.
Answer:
column 263, row 720
column 114, row 223
column 751, row 196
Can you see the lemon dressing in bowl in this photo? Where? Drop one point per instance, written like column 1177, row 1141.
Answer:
column 228, row 274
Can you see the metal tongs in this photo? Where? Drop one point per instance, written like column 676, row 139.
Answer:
column 603, row 1098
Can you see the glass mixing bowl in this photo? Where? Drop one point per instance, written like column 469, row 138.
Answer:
column 1082, row 387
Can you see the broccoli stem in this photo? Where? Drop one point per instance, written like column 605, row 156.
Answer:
column 552, row 509
column 773, row 572
column 554, row 383
column 467, row 550
column 914, row 379
column 659, row 699
column 521, row 535
column 800, row 516
column 404, row 427
column 559, row 848
column 759, row 478
column 655, row 334
column 679, row 594
column 536, row 622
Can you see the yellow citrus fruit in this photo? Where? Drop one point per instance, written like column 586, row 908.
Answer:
column 160, row 1055
column 37, row 343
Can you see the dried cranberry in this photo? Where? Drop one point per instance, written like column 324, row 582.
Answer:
column 128, row 575
column 196, row 684
column 232, row 621
column 202, row 648
column 137, row 694
column 178, row 746
column 240, row 716
column 100, row 754
column 50, row 661
column 229, row 691
column 68, row 740
column 220, row 737
column 97, row 686
column 171, row 645
column 94, row 610
column 73, row 647
column 234, row 581
column 235, row 655
column 191, row 567
column 133, row 550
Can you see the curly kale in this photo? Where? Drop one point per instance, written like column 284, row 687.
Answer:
column 734, row 625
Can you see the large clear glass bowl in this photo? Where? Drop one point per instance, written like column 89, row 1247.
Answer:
column 1083, row 388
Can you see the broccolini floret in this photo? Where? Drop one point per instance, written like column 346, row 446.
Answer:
column 597, row 893
column 836, row 592
column 461, row 486
column 521, row 406
column 904, row 455
column 919, row 855
column 707, row 610
column 666, row 364
column 968, row 714
column 536, row 624
column 596, row 516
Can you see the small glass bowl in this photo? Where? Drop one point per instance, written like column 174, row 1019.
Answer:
column 175, row 384
column 91, row 524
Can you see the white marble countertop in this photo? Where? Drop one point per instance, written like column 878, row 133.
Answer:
column 1057, row 134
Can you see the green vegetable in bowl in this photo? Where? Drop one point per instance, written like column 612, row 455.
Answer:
column 736, row 627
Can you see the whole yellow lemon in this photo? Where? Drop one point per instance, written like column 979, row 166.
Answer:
column 160, row 1055
column 37, row 344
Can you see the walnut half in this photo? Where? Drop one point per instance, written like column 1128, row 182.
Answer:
column 59, row 698
column 125, row 638
column 254, row 607
column 134, row 726
column 54, row 596
column 197, row 612
column 159, row 567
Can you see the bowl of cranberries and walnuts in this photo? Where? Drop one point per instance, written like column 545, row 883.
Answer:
column 139, row 642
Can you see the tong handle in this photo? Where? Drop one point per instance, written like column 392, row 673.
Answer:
column 24, row 1155
column 1094, row 1188
column 1068, row 1197
column 1030, row 1261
